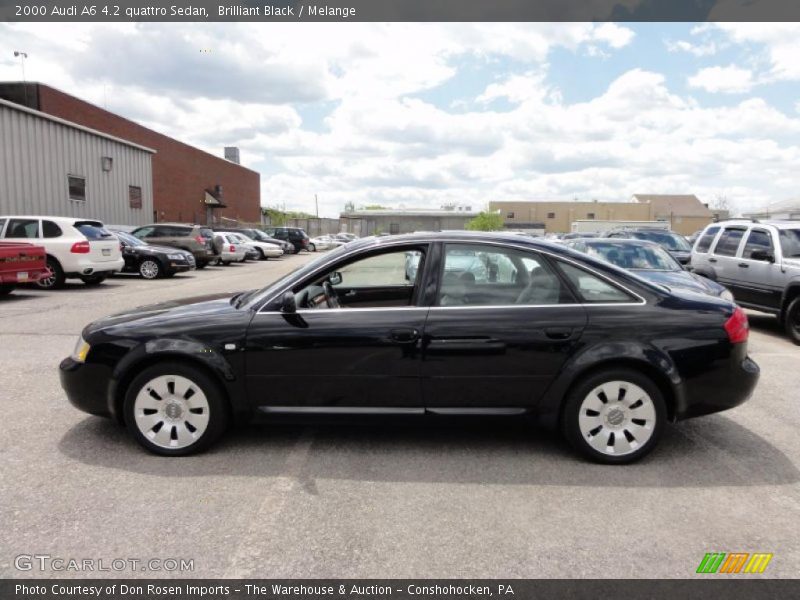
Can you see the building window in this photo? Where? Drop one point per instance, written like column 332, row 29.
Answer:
column 107, row 163
column 394, row 228
column 77, row 188
column 590, row 215
column 551, row 215
column 510, row 214
column 135, row 196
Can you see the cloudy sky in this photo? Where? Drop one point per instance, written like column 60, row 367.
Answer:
column 427, row 114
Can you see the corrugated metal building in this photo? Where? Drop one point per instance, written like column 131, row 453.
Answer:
column 50, row 166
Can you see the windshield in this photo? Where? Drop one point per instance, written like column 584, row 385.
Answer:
column 634, row 256
column 790, row 242
column 670, row 241
column 129, row 239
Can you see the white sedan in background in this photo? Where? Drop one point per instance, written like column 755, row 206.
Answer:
column 324, row 242
column 264, row 249
column 228, row 249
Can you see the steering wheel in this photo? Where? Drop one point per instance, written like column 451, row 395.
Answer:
column 331, row 298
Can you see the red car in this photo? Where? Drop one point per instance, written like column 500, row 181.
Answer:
column 21, row 263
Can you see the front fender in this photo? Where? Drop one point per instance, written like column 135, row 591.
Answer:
column 633, row 354
column 188, row 350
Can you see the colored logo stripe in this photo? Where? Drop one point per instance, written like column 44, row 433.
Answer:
column 734, row 562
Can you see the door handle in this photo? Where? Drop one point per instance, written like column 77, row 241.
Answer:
column 350, row 294
column 712, row 260
column 404, row 336
column 744, row 265
column 558, row 333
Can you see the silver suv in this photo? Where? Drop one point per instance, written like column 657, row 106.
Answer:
column 759, row 262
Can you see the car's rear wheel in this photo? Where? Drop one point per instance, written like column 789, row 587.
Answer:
column 6, row 289
column 175, row 409
column 201, row 264
column 792, row 320
column 614, row 416
column 261, row 255
column 55, row 279
column 150, row 269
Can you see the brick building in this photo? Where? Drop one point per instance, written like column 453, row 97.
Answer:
column 189, row 184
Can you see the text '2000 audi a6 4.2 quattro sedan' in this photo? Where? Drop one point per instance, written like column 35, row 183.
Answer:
column 447, row 323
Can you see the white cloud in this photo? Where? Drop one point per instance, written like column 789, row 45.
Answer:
column 729, row 80
column 699, row 50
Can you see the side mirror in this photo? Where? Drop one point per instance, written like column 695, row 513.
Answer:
column 762, row 255
column 335, row 278
column 288, row 303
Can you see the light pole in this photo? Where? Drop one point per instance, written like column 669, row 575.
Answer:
column 22, row 56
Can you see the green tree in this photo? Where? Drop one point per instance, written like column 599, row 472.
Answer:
column 486, row 221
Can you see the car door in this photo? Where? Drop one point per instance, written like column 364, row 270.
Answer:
column 500, row 329
column 759, row 277
column 363, row 358
column 722, row 257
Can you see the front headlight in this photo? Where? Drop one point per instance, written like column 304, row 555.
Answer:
column 81, row 350
column 726, row 295
column 176, row 256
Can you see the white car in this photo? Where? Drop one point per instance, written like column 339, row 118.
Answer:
column 324, row 242
column 76, row 248
column 229, row 249
column 264, row 249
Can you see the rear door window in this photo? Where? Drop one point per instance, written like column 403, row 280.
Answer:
column 593, row 289
column 705, row 240
column 728, row 242
column 22, row 228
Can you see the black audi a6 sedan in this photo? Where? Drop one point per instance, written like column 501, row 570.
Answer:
column 152, row 262
column 488, row 324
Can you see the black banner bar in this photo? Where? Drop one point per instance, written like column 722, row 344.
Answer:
column 711, row 588
column 399, row 10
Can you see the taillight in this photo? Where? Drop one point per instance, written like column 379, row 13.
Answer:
column 233, row 248
column 200, row 239
column 737, row 326
column 80, row 248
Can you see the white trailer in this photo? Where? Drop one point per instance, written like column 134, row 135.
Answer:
column 596, row 226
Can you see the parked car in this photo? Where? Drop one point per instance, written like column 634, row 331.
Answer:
column 345, row 237
column 324, row 242
column 229, row 249
column 651, row 261
column 585, row 346
column 759, row 262
column 192, row 238
column 693, row 237
column 294, row 235
column 76, row 248
column 259, row 250
column 152, row 262
column 672, row 242
column 21, row 263
column 250, row 251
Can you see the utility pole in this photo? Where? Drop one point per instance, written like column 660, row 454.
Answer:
column 316, row 202
column 22, row 56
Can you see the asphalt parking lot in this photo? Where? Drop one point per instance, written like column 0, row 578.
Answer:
column 378, row 499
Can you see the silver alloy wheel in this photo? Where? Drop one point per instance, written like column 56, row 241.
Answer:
column 617, row 418
column 149, row 269
column 171, row 411
column 48, row 281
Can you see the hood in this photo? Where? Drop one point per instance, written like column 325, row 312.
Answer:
column 682, row 280
column 166, row 314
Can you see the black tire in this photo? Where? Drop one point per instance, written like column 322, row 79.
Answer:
column 218, row 409
column 261, row 255
column 7, row 288
column 312, row 248
column 225, row 263
column 56, row 279
column 150, row 268
column 94, row 279
column 791, row 320
column 571, row 414
column 201, row 264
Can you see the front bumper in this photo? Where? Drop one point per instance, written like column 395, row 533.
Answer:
column 86, row 386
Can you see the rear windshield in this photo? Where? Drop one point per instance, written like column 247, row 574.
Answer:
column 93, row 230
column 207, row 233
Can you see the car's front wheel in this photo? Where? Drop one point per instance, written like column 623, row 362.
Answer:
column 792, row 320
column 150, row 269
column 55, row 279
column 614, row 416
column 312, row 248
column 175, row 409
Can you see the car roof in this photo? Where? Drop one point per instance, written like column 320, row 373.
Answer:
column 51, row 218
column 624, row 241
column 778, row 224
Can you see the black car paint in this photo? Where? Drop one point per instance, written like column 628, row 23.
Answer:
column 346, row 359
